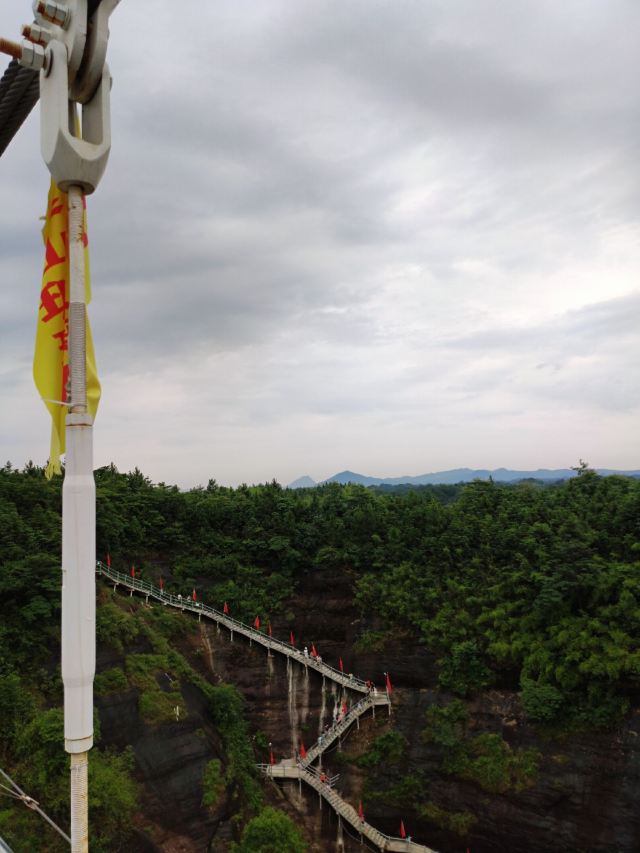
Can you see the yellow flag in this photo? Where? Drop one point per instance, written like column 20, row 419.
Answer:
column 51, row 359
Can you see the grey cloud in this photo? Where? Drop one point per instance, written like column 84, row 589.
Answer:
column 328, row 212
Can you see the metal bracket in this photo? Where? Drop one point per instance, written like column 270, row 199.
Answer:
column 73, row 160
column 90, row 71
column 73, row 73
column 66, row 23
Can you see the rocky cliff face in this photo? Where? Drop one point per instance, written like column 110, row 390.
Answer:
column 581, row 794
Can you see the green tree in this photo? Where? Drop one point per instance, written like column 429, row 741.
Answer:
column 272, row 831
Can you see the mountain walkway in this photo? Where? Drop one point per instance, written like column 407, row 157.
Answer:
column 290, row 770
column 301, row 768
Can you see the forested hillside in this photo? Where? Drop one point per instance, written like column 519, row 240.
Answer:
column 532, row 589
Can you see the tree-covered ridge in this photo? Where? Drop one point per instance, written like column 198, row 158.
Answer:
column 537, row 590
column 518, row 586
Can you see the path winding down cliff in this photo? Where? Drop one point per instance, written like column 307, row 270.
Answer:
column 300, row 769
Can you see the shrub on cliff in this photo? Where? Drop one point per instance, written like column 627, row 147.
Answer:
column 35, row 757
column 272, row 831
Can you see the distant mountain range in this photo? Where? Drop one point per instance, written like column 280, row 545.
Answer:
column 456, row 475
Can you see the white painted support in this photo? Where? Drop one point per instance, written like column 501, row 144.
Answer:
column 78, row 544
column 79, row 801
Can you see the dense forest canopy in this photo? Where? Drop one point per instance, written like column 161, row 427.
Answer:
column 535, row 589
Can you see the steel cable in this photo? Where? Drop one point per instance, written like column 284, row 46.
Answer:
column 19, row 93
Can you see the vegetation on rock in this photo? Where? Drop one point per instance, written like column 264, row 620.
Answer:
column 271, row 831
column 522, row 587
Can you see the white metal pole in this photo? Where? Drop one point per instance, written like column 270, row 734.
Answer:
column 78, row 543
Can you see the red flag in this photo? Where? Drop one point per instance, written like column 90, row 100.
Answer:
column 389, row 687
column 161, row 584
column 225, row 609
column 108, row 560
column 272, row 759
column 256, row 623
column 360, row 811
column 403, row 833
column 292, row 639
column 340, row 664
column 303, row 751
column 269, row 631
column 133, row 571
column 193, row 595
column 344, row 708
column 314, row 653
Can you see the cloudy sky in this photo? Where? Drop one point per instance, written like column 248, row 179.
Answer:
column 396, row 237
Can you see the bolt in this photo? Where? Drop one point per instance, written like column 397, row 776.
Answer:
column 33, row 56
column 54, row 12
column 36, row 34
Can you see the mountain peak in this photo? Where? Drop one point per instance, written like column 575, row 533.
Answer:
column 304, row 482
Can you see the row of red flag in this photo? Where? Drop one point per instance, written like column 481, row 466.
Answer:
column 257, row 625
column 314, row 654
column 303, row 754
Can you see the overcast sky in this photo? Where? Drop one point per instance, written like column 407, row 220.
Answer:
column 395, row 237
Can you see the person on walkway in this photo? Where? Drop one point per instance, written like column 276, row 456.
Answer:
column 306, row 652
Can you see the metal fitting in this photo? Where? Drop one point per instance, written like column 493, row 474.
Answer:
column 53, row 12
column 36, row 34
column 33, row 56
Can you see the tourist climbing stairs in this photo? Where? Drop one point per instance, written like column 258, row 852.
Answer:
column 185, row 603
column 291, row 770
column 338, row 729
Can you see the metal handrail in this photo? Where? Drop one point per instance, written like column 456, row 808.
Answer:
column 151, row 591
column 344, row 808
column 338, row 729
column 303, row 769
